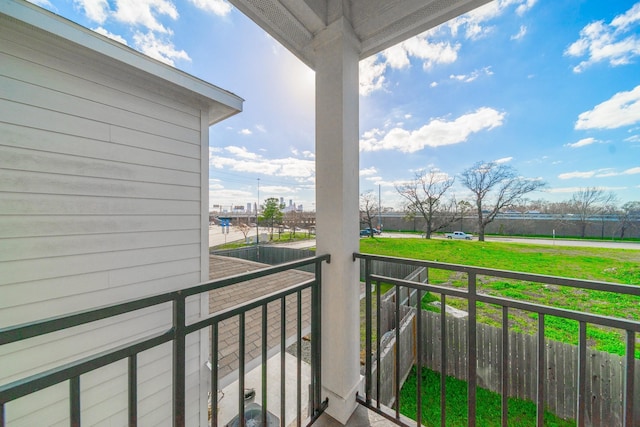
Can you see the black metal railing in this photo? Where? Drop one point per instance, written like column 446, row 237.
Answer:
column 631, row 328
column 71, row 372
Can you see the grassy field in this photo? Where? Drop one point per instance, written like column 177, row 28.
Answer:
column 488, row 404
column 611, row 265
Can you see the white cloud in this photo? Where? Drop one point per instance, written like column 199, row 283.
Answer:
column 473, row 23
column 214, row 184
column 436, row 133
column 623, row 109
column 261, row 128
column 241, row 152
column 582, row 143
column 577, row 189
column 371, row 75
column 634, row 138
column 632, row 171
column 245, row 132
column 503, row 160
column 308, row 154
column 368, row 171
column 520, row 34
column 372, row 69
column 144, row 13
column 276, row 189
column 112, row 36
column 425, row 48
column 570, row 175
column 525, row 6
column 431, row 53
column 96, row 10
column 244, row 161
column 613, row 43
column 467, row 78
column 631, row 16
column 565, row 189
column 610, row 172
column 226, row 197
column 162, row 50
column 43, row 3
column 600, row 173
column 218, row 7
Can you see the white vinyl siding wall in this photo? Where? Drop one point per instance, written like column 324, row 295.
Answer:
column 103, row 199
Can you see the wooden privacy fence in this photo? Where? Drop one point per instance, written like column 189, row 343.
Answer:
column 605, row 371
column 388, row 358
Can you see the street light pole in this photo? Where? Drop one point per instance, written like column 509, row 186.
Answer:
column 257, row 209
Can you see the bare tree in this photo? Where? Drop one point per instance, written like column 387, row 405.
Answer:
column 293, row 219
column 590, row 202
column 629, row 217
column 495, row 186
column 244, row 228
column 463, row 208
column 368, row 210
column 425, row 197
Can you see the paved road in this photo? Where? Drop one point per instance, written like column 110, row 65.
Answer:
column 217, row 238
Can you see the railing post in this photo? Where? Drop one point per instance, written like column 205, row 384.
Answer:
column 472, row 368
column 368, row 330
column 283, row 349
column 179, row 358
column 378, row 341
column 74, row 401
column 214, row 375
column 398, row 319
column 264, row 364
column 133, row 390
column 316, row 341
column 299, row 357
column 419, row 357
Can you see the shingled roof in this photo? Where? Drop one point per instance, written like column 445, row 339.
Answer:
column 220, row 299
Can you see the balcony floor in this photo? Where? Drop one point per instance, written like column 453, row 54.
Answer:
column 362, row 417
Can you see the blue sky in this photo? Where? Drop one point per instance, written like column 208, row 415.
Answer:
column 551, row 88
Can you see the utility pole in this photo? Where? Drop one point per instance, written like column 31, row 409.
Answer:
column 379, row 207
column 257, row 210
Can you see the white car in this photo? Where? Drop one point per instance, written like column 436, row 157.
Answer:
column 458, row 235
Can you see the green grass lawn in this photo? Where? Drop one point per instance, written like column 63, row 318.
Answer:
column 488, row 404
column 611, row 265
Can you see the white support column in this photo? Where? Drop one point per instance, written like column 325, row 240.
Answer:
column 337, row 202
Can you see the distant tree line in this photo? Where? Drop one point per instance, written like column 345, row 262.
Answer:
column 496, row 188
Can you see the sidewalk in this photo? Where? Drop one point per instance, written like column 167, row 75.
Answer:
column 216, row 237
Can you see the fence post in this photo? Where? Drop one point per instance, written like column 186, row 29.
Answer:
column 629, row 379
column 472, row 351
